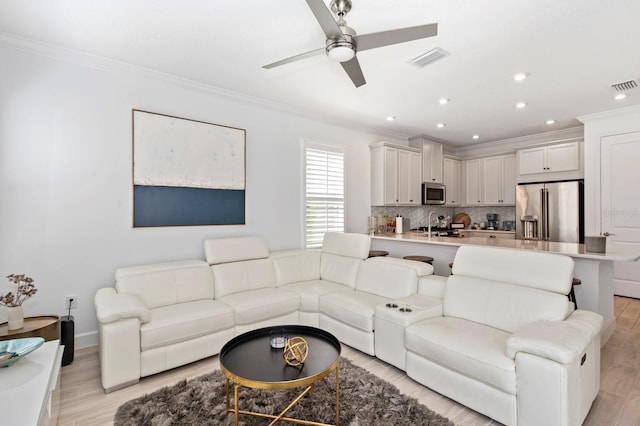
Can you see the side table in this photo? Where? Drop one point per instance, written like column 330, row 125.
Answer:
column 46, row 326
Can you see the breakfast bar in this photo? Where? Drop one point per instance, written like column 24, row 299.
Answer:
column 595, row 270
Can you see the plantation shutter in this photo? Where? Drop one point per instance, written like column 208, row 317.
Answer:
column 324, row 194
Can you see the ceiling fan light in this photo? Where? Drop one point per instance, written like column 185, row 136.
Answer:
column 341, row 52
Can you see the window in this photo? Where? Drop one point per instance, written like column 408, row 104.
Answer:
column 324, row 192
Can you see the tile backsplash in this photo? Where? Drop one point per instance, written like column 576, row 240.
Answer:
column 418, row 215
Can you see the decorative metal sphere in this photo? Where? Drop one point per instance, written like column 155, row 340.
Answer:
column 295, row 351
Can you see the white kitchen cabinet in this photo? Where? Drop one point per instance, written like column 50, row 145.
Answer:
column 396, row 175
column 490, row 181
column 473, row 182
column 552, row 162
column 409, row 177
column 499, row 180
column 452, row 181
column 432, row 158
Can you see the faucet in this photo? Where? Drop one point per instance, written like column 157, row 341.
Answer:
column 429, row 223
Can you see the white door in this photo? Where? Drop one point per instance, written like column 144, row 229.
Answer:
column 509, row 180
column 492, row 184
column 620, row 214
column 404, row 176
column 472, row 182
column 452, row 181
column 390, row 176
column 415, row 178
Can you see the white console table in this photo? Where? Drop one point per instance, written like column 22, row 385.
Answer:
column 29, row 389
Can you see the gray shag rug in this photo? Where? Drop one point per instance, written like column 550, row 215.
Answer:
column 364, row 400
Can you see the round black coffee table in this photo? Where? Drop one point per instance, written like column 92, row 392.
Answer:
column 249, row 360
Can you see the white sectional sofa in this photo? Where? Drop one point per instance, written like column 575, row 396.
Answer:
column 499, row 336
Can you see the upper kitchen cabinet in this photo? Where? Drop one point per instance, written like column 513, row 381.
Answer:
column 432, row 158
column 499, row 180
column 552, row 162
column 490, row 181
column 473, row 182
column 452, row 181
column 396, row 175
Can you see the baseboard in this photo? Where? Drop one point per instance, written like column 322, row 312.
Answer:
column 85, row 340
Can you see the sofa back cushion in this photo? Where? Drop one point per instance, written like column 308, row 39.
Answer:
column 342, row 254
column 225, row 250
column 168, row 283
column 544, row 271
column 293, row 266
column 239, row 264
column 392, row 280
column 235, row 277
column 507, row 289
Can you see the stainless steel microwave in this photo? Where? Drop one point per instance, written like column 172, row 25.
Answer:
column 433, row 193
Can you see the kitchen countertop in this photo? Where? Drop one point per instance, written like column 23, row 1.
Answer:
column 569, row 249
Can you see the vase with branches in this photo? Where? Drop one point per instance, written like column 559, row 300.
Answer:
column 25, row 288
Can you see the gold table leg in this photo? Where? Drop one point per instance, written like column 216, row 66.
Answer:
column 280, row 417
column 337, row 395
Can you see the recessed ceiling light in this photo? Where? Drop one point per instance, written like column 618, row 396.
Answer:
column 476, row 136
column 520, row 76
column 521, row 105
column 550, row 122
column 440, row 125
column 391, row 118
column 619, row 96
column 443, row 101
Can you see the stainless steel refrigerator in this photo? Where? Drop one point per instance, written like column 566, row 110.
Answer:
column 550, row 211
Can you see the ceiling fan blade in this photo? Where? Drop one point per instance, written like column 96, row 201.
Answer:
column 296, row 58
column 353, row 70
column 386, row 38
column 325, row 19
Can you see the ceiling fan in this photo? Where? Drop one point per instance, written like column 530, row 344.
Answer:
column 343, row 43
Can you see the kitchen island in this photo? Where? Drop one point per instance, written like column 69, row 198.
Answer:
column 595, row 270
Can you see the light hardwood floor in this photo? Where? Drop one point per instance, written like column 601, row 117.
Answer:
column 83, row 402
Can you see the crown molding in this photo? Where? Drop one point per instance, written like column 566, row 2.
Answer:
column 87, row 60
column 634, row 109
column 511, row 145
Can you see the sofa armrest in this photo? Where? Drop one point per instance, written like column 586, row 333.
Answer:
column 560, row 341
column 112, row 306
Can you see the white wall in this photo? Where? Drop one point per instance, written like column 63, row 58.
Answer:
column 66, row 184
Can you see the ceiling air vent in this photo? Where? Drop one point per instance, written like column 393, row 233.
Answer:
column 428, row 57
column 625, row 85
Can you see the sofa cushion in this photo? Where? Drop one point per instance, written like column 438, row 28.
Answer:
column 421, row 268
column 469, row 348
column 163, row 284
column 184, row 321
column 432, row 285
column 392, row 280
column 310, row 292
column 239, row 277
column 501, row 305
column 354, row 308
column 225, row 250
column 342, row 254
column 293, row 266
column 346, row 244
column 544, row 271
column 262, row 304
